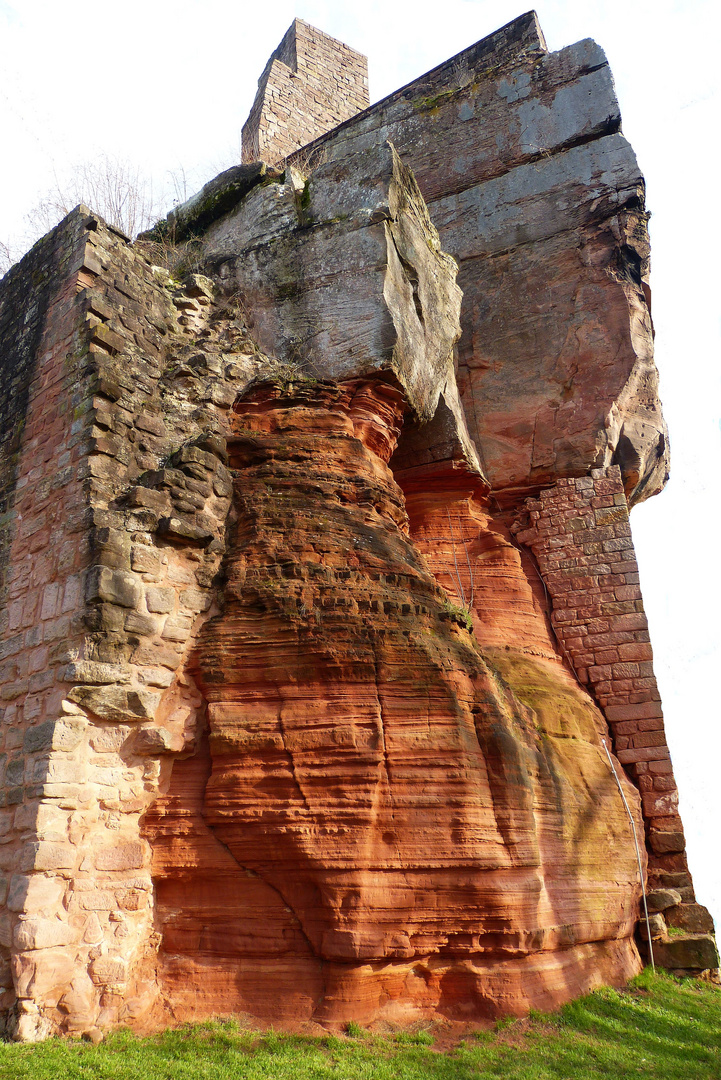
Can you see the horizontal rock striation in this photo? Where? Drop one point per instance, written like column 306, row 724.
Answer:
column 344, row 274
column 473, row 555
column 304, row 701
column 411, row 799
column 519, row 155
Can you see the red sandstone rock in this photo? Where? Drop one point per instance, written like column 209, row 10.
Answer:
column 410, row 798
column 258, row 755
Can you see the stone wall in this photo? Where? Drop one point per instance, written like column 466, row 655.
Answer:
column 112, row 538
column 580, row 534
column 44, row 355
column 310, row 84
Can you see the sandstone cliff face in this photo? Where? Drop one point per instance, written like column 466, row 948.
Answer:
column 413, row 801
column 534, row 191
column 344, row 274
column 304, row 705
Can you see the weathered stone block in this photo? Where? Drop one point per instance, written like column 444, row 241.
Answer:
column 91, row 671
column 113, row 587
column 143, row 625
column 694, row 918
column 116, row 702
column 156, row 676
column 150, row 498
column 696, row 952
column 195, row 600
column 660, row 899
column 45, row 855
column 43, row 934
column 160, row 600
column 108, row 971
column 46, row 975
column 666, row 842
column 184, row 530
column 54, row 735
column 34, row 893
column 154, row 741
column 59, row 769
column 177, row 628
column 145, row 560
column 121, row 856
column 657, row 925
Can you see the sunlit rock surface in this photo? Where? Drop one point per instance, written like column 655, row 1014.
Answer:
column 534, row 190
column 321, row 610
column 427, row 816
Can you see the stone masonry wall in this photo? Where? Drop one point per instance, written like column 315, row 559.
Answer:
column 580, row 534
column 113, row 539
column 311, row 83
column 42, row 357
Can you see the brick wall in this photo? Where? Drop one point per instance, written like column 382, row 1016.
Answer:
column 580, row 534
column 311, row 84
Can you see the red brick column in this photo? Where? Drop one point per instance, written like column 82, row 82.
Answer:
column 580, row 534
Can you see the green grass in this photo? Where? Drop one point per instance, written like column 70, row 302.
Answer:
column 658, row 1028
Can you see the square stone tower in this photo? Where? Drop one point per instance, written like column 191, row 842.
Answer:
column 311, row 84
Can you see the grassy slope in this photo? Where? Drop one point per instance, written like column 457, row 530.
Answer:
column 659, row 1028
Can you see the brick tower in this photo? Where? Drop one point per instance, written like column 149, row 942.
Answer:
column 310, row 84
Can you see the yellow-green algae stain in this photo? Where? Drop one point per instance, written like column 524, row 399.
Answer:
column 594, row 831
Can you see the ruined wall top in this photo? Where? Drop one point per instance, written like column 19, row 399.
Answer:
column 310, row 84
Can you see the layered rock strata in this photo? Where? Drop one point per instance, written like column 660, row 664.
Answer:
column 297, row 722
column 437, row 821
column 519, row 155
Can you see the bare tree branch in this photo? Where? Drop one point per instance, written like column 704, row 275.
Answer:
column 113, row 188
column 6, row 258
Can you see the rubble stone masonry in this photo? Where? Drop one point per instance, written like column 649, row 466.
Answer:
column 310, row 84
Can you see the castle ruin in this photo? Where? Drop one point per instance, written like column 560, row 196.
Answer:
column 320, row 601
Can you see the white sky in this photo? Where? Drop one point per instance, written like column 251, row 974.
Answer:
column 168, row 84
